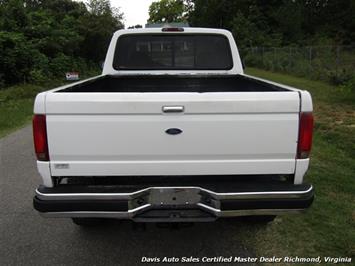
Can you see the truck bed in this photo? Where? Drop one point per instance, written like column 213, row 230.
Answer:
column 169, row 83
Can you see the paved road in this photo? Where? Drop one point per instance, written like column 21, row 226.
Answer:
column 28, row 239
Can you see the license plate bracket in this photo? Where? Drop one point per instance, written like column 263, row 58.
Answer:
column 174, row 197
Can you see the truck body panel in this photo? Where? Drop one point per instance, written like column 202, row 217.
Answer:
column 126, row 145
column 221, row 133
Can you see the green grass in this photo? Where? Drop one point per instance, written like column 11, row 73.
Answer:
column 16, row 105
column 328, row 228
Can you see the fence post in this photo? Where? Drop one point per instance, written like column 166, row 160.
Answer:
column 310, row 57
column 337, row 60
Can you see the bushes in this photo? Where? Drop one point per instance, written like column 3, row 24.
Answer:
column 15, row 57
column 41, row 40
column 328, row 63
column 348, row 90
column 46, row 69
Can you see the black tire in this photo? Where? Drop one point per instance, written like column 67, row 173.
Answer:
column 87, row 221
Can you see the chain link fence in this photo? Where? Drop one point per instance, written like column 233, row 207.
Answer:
column 332, row 63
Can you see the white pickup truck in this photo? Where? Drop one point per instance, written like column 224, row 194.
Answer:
column 172, row 131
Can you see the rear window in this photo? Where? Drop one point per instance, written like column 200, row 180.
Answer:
column 183, row 52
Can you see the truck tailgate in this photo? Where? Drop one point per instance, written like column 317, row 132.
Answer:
column 113, row 134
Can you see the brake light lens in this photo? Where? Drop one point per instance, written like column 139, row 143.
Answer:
column 175, row 29
column 40, row 137
column 305, row 135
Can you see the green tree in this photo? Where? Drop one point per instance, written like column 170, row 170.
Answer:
column 15, row 57
column 165, row 11
column 99, row 7
column 13, row 15
column 278, row 22
column 245, row 18
column 97, row 28
column 41, row 39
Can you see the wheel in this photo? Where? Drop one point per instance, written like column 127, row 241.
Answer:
column 260, row 219
column 87, row 221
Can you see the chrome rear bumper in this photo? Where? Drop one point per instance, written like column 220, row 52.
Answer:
column 185, row 203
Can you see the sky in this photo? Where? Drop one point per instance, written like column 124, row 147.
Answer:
column 135, row 11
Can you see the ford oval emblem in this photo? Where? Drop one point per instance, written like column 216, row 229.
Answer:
column 173, row 131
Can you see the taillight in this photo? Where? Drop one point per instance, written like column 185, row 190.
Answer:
column 40, row 137
column 305, row 135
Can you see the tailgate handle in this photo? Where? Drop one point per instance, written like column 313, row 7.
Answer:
column 173, row 131
column 173, row 109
